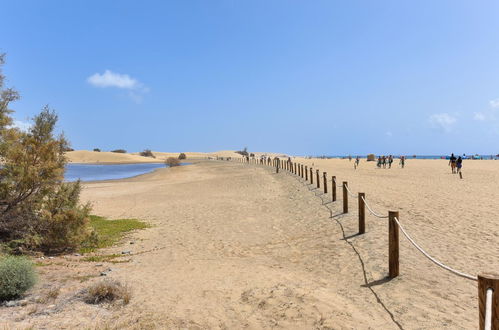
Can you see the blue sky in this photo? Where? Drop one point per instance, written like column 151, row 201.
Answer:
column 302, row 77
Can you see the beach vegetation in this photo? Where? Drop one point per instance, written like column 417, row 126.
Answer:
column 182, row 156
column 107, row 232
column 119, row 151
column 108, row 291
column 96, row 149
column 17, row 275
column 172, row 161
column 147, row 153
column 243, row 152
column 38, row 210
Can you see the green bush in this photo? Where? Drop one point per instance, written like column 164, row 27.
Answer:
column 120, row 151
column 182, row 156
column 17, row 275
column 97, row 150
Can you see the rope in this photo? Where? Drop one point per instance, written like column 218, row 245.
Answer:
column 488, row 309
column 371, row 210
column 438, row 263
column 348, row 190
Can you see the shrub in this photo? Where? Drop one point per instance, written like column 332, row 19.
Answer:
column 37, row 208
column 252, row 155
column 182, row 156
column 147, row 153
column 108, row 291
column 17, row 275
column 120, row 151
column 243, row 152
column 171, row 161
column 97, row 150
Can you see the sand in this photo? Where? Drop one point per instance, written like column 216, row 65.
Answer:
column 106, row 157
column 238, row 246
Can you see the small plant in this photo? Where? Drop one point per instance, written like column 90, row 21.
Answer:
column 182, row 156
column 171, row 161
column 120, row 151
column 108, row 291
column 252, row 155
column 97, row 150
column 243, row 152
column 147, row 153
column 17, row 275
column 109, row 232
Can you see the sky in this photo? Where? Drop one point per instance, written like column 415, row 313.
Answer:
column 298, row 77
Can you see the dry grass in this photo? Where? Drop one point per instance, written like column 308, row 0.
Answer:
column 108, row 291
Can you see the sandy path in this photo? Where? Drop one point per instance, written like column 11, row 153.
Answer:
column 238, row 247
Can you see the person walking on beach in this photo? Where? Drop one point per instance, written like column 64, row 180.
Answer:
column 379, row 161
column 452, row 163
column 390, row 161
column 402, row 161
column 357, row 161
column 383, row 161
column 459, row 165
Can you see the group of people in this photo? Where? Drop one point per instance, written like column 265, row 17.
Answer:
column 383, row 161
column 456, row 164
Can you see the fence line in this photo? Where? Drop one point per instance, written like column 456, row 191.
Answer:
column 488, row 284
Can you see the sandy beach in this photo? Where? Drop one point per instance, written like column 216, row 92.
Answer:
column 239, row 246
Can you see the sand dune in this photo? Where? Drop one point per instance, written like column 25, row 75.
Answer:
column 87, row 156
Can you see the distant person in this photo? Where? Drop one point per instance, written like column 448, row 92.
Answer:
column 390, row 161
column 402, row 161
column 459, row 164
column 379, row 161
column 350, row 158
column 357, row 161
column 383, row 161
column 452, row 163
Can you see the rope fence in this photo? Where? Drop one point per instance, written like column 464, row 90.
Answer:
column 488, row 284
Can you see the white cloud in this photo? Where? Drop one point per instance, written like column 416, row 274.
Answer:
column 494, row 103
column 479, row 116
column 111, row 79
column 444, row 121
column 22, row 125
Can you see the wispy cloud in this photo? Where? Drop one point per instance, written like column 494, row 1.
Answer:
column 136, row 89
column 479, row 116
column 443, row 121
column 112, row 79
column 494, row 103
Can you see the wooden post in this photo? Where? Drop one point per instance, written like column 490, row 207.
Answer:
column 393, row 245
column 488, row 281
column 324, row 175
column 294, row 172
column 311, row 176
column 317, row 177
column 362, row 213
column 333, row 187
column 345, row 197
column 277, row 166
column 302, row 171
column 306, row 173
